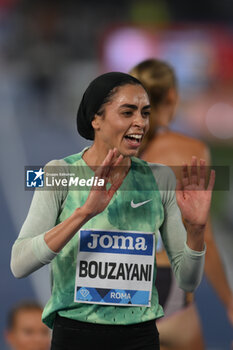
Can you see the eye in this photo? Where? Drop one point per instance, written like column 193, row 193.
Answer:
column 127, row 113
column 146, row 114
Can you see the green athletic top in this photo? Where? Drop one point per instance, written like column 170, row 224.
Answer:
column 49, row 208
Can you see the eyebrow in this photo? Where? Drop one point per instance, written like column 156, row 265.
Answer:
column 126, row 105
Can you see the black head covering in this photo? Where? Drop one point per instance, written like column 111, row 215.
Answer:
column 94, row 96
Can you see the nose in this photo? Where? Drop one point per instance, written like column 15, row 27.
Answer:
column 139, row 121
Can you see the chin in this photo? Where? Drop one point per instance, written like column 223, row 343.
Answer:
column 130, row 153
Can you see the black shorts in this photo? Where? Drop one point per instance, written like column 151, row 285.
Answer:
column 74, row 335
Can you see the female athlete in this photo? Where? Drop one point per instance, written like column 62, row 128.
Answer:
column 101, row 240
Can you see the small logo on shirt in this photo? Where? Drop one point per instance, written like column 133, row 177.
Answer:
column 136, row 205
column 35, row 178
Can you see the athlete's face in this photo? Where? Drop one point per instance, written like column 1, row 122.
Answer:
column 125, row 121
column 28, row 332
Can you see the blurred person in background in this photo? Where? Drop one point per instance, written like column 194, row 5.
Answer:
column 25, row 330
column 180, row 330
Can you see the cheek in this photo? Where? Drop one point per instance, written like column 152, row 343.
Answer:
column 117, row 127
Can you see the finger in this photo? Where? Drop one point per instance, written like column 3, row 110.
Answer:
column 103, row 169
column 107, row 160
column 202, row 173
column 118, row 160
column 116, row 164
column 115, row 155
column 98, row 171
column 194, row 176
column 185, row 175
column 211, row 180
column 111, row 161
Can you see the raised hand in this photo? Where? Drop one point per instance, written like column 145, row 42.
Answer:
column 192, row 196
column 99, row 197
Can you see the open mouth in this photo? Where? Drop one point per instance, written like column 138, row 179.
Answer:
column 134, row 139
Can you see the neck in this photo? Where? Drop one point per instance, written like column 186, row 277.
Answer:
column 95, row 156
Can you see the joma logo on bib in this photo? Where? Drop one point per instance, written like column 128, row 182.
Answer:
column 117, row 242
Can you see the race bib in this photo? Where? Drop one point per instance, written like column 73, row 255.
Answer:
column 115, row 267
